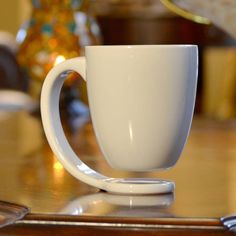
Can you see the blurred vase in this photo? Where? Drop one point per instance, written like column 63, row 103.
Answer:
column 57, row 30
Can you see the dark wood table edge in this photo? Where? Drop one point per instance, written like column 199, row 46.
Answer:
column 47, row 224
column 123, row 222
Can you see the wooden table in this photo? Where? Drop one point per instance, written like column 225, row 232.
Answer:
column 205, row 178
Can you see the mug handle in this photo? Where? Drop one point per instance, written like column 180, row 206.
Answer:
column 57, row 140
column 52, row 125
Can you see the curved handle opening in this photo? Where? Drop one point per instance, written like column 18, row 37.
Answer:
column 52, row 124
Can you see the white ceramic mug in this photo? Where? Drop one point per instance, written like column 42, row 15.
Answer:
column 141, row 101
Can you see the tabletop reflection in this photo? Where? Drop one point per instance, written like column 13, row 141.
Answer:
column 108, row 204
column 30, row 175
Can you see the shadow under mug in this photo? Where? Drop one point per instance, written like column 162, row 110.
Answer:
column 141, row 100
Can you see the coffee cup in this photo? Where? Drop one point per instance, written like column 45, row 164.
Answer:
column 141, row 100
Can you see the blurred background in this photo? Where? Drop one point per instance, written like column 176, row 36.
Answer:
column 35, row 35
column 33, row 30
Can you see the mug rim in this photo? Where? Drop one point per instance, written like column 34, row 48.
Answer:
column 144, row 46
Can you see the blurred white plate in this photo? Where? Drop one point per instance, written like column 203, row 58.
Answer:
column 11, row 100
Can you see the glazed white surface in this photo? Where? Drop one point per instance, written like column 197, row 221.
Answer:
column 141, row 100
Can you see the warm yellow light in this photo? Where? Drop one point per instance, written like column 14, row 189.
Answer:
column 58, row 171
column 57, row 166
column 59, row 59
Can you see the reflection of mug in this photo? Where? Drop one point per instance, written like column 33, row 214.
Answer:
column 141, row 101
column 102, row 203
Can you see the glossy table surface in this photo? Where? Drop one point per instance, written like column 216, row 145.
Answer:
column 205, row 178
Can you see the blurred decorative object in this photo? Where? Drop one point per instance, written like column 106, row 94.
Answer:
column 219, row 74
column 130, row 8
column 57, row 30
column 184, row 13
column 11, row 76
column 150, row 22
column 220, row 12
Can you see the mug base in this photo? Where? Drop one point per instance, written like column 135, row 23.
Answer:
column 139, row 186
